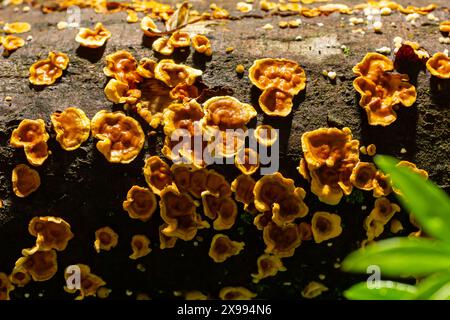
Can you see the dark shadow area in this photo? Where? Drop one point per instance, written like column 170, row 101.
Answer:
column 148, row 41
column 199, row 60
column 91, row 54
column 440, row 91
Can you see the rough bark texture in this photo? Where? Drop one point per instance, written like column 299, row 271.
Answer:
column 86, row 190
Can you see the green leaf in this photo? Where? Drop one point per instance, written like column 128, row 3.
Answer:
column 429, row 204
column 385, row 290
column 401, row 257
column 433, row 287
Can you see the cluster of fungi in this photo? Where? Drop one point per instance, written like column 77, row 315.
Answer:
column 187, row 195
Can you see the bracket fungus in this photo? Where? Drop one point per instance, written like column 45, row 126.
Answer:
column 330, row 156
column 236, row 293
column 120, row 92
column 17, row 27
column 121, row 137
column 222, row 113
column 148, row 26
column 381, row 185
column 281, row 240
column 72, row 128
column 266, row 135
column 182, row 116
column 283, row 74
column 19, row 277
column 93, row 38
column 140, row 203
column 222, row 248
column 275, row 102
column 157, row 174
column 382, row 212
column 105, row 239
column 268, row 266
column 40, row 265
column 180, row 39
column 47, row 71
column 11, row 43
column 363, row 175
column 5, row 287
column 278, row 195
column 243, row 187
column 439, row 65
column 146, row 68
column 313, row 290
column 178, row 210
column 140, row 246
column 202, row 44
column 381, row 90
column 173, row 74
column 163, row 46
column 223, row 210
column 166, row 242
column 122, row 66
column 50, row 233
column 24, row 180
column 89, row 282
column 325, row 226
column 32, row 136
column 247, row 161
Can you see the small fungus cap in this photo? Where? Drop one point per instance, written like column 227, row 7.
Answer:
column 325, row 226
column 93, row 38
column 25, row 180
column 72, row 128
column 140, row 203
column 121, row 137
column 285, row 75
column 439, row 65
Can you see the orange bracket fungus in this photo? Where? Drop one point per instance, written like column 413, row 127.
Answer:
column 25, row 180
column 47, row 71
column 32, row 136
column 105, row 239
column 157, row 174
column 149, row 27
column 247, row 161
column 41, row 265
column 166, row 242
column 121, row 137
column 381, row 185
column 275, row 102
column 146, row 68
column 140, row 204
column 281, row 241
column 283, row 74
column 266, row 135
column 202, row 44
column 383, row 211
column 363, row 175
column 236, row 293
column 5, row 287
column 268, row 266
column 17, row 27
column 93, row 38
column 89, row 282
column 178, row 210
column 50, row 233
column 180, row 39
column 122, row 66
column 72, row 128
column 280, row 80
column 243, row 187
column 313, row 290
column 140, row 246
column 223, row 209
column 278, row 194
column 163, row 46
column 119, row 92
column 226, row 112
column 439, row 65
column 325, row 226
column 182, row 116
column 173, row 74
column 381, row 89
column 222, row 248
column 19, row 277
column 11, row 43
column 444, row 26
column 330, row 156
